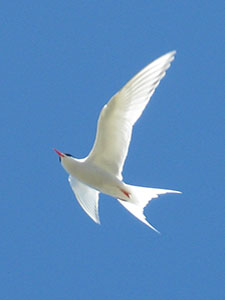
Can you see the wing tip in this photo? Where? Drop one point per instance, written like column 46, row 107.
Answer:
column 172, row 53
column 97, row 222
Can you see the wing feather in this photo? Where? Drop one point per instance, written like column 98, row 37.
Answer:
column 87, row 197
column 120, row 114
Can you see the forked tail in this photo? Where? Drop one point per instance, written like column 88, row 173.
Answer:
column 140, row 197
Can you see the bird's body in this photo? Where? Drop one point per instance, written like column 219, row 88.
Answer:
column 101, row 170
column 95, row 177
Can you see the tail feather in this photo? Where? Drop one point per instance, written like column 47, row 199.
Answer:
column 140, row 197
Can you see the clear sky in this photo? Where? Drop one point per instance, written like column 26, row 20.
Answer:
column 61, row 61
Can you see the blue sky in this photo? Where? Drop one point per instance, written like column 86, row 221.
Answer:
column 61, row 61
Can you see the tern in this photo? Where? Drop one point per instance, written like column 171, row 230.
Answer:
column 101, row 170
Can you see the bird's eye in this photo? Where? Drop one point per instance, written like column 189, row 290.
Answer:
column 67, row 154
column 60, row 158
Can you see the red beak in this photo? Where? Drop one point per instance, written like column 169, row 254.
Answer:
column 59, row 153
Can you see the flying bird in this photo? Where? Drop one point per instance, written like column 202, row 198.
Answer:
column 101, row 170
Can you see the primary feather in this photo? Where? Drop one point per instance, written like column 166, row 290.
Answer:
column 120, row 114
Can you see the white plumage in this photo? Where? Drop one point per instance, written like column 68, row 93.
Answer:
column 120, row 114
column 101, row 171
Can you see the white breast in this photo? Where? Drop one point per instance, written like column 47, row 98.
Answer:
column 93, row 176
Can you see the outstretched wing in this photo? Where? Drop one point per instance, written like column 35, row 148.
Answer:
column 87, row 197
column 120, row 114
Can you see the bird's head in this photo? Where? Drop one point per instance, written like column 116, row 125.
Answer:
column 62, row 155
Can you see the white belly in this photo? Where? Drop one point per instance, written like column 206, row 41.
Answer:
column 96, row 178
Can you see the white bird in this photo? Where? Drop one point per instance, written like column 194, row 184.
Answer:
column 101, row 170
